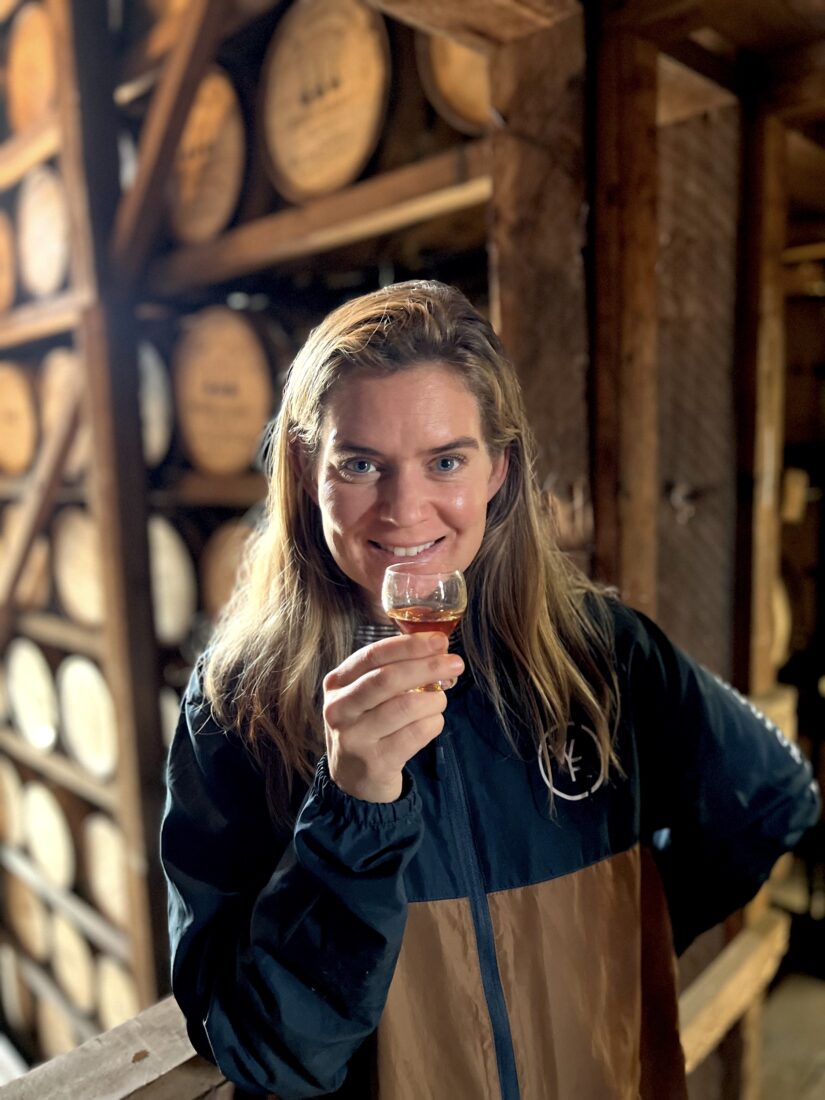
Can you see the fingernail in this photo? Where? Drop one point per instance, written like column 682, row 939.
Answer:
column 456, row 665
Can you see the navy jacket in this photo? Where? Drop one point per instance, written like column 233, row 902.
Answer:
column 468, row 940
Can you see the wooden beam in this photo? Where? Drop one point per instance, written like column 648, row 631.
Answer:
column 40, row 320
column 624, row 313
column 118, row 495
column 22, row 152
column 727, row 988
column 538, row 297
column 140, row 213
column 805, row 280
column 806, row 173
column 684, row 93
column 35, row 509
column 455, row 180
column 760, row 396
column 483, row 23
column 58, row 768
column 793, row 82
column 148, row 1056
column 88, row 150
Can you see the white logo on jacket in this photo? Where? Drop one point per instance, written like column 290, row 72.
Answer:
column 579, row 776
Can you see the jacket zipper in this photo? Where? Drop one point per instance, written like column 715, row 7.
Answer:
column 490, row 977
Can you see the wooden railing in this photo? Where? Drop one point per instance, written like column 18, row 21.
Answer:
column 150, row 1057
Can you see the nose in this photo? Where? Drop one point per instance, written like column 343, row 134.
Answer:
column 403, row 501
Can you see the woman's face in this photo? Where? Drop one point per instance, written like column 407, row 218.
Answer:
column 403, row 474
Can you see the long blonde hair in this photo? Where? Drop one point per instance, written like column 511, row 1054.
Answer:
column 293, row 614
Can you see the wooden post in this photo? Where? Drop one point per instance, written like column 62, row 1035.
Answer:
column 760, row 396
column 536, row 235
column 117, row 481
column 624, row 311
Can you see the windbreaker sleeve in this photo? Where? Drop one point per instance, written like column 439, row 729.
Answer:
column 723, row 793
column 283, row 947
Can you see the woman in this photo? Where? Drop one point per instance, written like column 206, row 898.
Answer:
column 465, row 895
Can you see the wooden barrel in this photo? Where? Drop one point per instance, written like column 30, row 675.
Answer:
column 31, row 75
column 117, row 996
column 219, row 561
column 26, row 915
column 11, row 805
column 325, row 83
column 223, row 390
column 51, row 818
column 60, row 372
column 18, row 419
column 169, row 713
column 156, row 413
column 32, row 693
column 55, row 1030
column 16, row 998
column 456, row 80
column 208, row 171
column 43, row 245
column 76, row 563
column 88, row 718
column 174, row 587
column 8, row 263
column 73, row 963
column 104, row 852
column 35, row 585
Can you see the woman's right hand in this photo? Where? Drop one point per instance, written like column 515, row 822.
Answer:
column 374, row 719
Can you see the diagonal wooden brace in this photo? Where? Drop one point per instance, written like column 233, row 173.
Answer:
column 141, row 208
column 40, row 492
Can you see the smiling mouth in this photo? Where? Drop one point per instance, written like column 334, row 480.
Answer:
column 405, row 551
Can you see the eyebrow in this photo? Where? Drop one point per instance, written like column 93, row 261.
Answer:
column 464, row 442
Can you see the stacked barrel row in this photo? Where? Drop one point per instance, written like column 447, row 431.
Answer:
column 309, row 116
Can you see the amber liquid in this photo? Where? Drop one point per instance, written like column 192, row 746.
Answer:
column 415, row 620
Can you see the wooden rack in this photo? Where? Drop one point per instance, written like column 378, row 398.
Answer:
column 650, row 66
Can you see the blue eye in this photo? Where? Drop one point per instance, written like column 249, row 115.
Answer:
column 447, row 464
column 359, row 466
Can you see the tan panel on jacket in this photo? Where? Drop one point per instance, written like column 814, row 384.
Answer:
column 435, row 1040
column 570, row 957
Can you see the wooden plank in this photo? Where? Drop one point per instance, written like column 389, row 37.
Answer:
column 803, row 253
column 726, row 989
column 624, row 345
column 40, row 320
column 101, row 933
column 197, row 490
column 22, row 152
column 88, row 125
column 806, row 173
column 60, row 633
column 106, row 343
column 760, row 397
column 538, row 299
column 455, row 180
column 130, row 1061
column 60, row 769
column 804, row 281
column 35, row 509
column 684, row 93
column 140, row 212
column 482, row 23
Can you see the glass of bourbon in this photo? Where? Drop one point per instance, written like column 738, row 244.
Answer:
column 420, row 601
